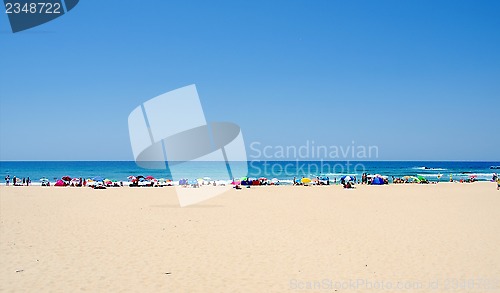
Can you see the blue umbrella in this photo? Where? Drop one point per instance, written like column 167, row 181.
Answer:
column 346, row 178
column 98, row 178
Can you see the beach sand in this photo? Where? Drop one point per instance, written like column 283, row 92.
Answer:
column 427, row 238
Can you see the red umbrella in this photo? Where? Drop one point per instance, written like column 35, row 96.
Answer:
column 149, row 177
column 66, row 178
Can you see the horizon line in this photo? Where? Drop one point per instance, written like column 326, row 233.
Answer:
column 320, row 160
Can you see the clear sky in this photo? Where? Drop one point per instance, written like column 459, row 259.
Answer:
column 418, row 79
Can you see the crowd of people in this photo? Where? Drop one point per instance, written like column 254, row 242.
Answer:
column 17, row 181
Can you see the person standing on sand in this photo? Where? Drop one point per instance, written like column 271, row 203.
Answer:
column 14, row 179
column 7, row 180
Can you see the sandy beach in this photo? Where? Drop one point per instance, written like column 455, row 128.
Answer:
column 413, row 238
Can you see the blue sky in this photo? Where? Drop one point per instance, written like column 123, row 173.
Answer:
column 417, row 79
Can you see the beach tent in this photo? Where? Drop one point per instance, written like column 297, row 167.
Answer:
column 378, row 181
column 244, row 181
column 59, row 183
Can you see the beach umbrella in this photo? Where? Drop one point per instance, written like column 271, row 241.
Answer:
column 149, row 177
column 274, row 180
column 263, row 178
column 472, row 176
column 66, row 178
column 98, row 178
column 305, row 180
column 44, row 179
column 346, row 178
column 421, row 178
column 243, row 178
column 131, row 178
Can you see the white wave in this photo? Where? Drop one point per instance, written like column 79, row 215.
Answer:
column 432, row 175
column 340, row 174
column 430, row 169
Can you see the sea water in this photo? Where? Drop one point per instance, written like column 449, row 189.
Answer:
column 283, row 170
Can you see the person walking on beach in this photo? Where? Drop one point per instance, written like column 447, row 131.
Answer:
column 14, row 179
column 28, row 181
column 7, row 180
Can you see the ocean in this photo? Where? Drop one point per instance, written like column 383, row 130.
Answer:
column 283, row 170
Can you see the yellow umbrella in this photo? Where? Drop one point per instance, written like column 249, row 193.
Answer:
column 305, row 180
